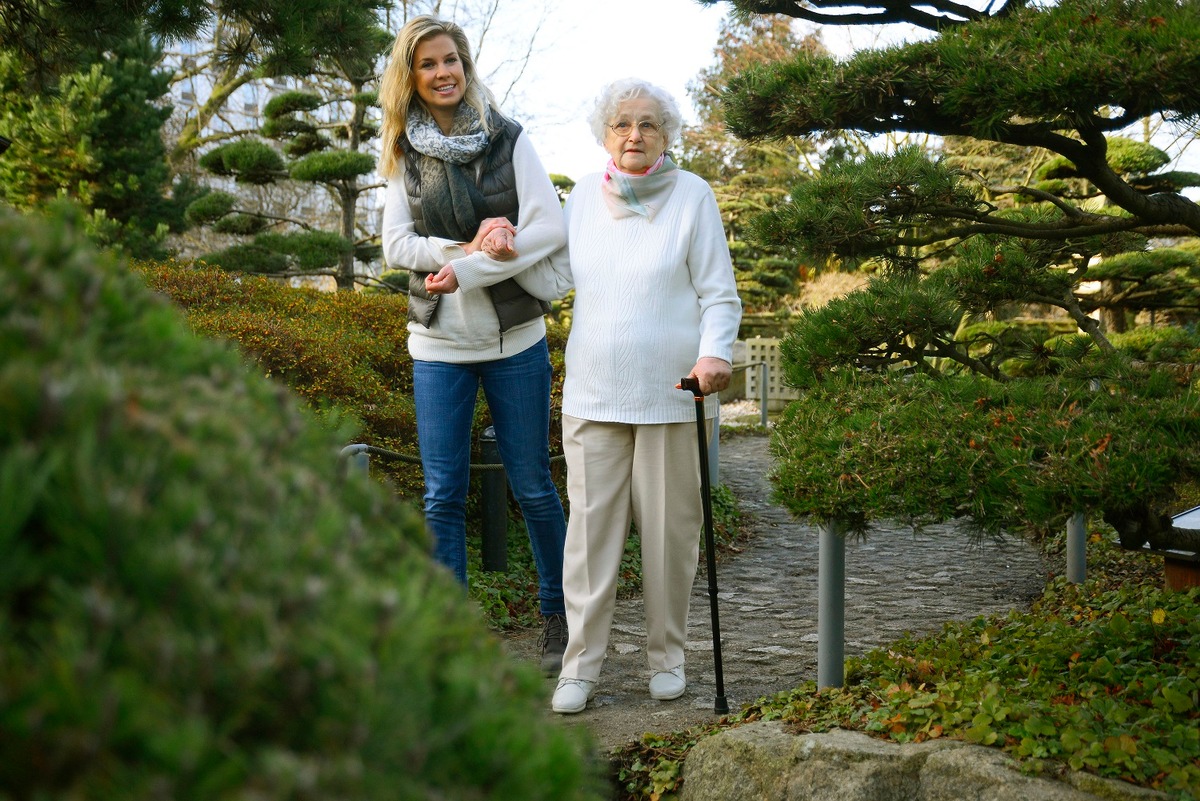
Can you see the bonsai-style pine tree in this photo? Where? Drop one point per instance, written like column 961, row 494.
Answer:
column 320, row 140
column 913, row 408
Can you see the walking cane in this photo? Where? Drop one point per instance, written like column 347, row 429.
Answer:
column 692, row 384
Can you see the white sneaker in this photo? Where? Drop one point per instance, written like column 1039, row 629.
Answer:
column 667, row 684
column 572, row 695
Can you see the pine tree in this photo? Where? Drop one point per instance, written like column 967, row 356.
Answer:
column 961, row 238
column 318, row 139
column 748, row 178
column 96, row 140
column 49, row 39
column 284, row 40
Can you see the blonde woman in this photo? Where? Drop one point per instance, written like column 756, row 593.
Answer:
column 468, row 207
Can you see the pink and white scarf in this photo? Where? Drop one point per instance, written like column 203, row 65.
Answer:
column 631, row 195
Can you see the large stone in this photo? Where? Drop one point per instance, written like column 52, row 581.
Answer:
column 763, row 762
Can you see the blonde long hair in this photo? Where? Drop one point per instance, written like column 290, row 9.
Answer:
column 396, row 92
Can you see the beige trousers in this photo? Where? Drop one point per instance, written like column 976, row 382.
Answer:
column 618, row 473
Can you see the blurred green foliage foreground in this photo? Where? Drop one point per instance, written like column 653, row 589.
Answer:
column 194, row 604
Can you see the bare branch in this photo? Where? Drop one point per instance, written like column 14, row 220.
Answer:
column 524, row 59
column 489, row 16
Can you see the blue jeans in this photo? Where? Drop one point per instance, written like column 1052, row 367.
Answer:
column 518, row 394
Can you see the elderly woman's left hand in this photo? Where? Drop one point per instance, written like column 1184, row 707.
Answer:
column 712, row 373
column 498, row 244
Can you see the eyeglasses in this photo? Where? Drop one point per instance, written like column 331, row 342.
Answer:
column 645, row 128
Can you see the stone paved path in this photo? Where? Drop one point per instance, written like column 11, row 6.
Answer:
column 896, row 580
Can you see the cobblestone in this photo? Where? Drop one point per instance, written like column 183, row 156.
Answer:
column 897, row 580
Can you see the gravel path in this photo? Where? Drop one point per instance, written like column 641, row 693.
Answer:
column 896, row 581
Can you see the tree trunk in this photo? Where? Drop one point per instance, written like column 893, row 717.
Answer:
column 348, row 195
column 1140, row 527
column 1112, row 318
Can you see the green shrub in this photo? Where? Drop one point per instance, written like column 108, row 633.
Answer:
column 1102, row 677
column 337, row 350
column 1160, row 344
column 193, row 604
column 1099, row 677
column 348, row 351
column 344, row 350
column 1018, row 456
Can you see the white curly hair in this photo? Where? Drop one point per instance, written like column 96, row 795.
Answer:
column 619, row 91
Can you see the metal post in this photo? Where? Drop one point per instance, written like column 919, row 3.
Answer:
column 355, row 457
column 831, row 606
column 493, row 505
column 1077, row 548
column 762, row 392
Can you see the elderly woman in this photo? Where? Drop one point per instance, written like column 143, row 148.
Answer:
column 655, row 300
column 469, row 206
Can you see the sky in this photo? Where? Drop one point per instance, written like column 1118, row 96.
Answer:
column 582, row 45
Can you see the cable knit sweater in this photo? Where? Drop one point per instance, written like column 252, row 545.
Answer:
column 465, row 328
column 651, row 299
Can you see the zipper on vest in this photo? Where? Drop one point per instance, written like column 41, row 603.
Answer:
column 502, row 340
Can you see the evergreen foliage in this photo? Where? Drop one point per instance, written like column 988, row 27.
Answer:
column 931, row 14
column 277, row 37
column 344, row 351
column 346, row 354
column 248, row 161
column 1016, row 457
column 1037, row 202
column 194, row 603
column 94, row 139
column 1162, row 344
column 211, row 207
column 1062, row 77
column 315, row 37
column 330, row 168
column 1165, row 279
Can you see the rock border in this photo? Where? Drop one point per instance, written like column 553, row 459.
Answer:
column 762, row 761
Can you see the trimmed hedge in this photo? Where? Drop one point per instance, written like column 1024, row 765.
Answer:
column 1020, row 456
column 193, row 603
column 339, row 350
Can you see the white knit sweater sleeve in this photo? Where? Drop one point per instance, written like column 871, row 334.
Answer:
column 550, row 278
column 540, row 227
column 403, row 247
column 712, row 276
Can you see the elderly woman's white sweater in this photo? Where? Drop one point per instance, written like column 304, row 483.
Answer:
column 652, row 297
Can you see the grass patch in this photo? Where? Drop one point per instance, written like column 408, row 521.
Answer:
column 1102, row 677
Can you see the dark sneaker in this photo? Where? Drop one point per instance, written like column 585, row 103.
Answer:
column 553, row 643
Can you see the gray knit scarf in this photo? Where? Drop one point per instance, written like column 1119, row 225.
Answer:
column 451, row 204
